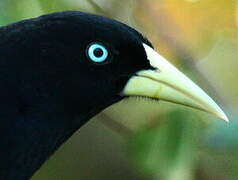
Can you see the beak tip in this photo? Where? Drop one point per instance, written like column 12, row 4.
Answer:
column 225, row 118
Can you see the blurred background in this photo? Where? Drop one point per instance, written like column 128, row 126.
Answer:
column 145, row 140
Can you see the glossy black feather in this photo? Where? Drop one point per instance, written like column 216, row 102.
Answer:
column 49, row 87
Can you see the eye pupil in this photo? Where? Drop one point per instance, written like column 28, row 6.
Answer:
column 98, row 52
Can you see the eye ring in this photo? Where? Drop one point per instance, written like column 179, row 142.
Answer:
column 97, row 52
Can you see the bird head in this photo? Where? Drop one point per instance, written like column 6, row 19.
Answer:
column 61, row 69
column 95, row 61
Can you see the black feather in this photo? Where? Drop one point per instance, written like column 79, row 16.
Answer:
column 49, row 87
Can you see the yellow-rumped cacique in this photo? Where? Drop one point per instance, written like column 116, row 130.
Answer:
column 59, row 70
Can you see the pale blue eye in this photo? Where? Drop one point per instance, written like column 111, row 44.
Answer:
column 97, row 53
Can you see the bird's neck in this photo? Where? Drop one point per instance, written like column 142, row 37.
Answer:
column 36, row 120
column 30, row 143
column 23, row 161
column 35, row 139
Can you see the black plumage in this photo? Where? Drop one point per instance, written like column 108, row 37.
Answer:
column 49, row 87
column 59, row 70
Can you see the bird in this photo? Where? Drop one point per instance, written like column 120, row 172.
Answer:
column 59, row 70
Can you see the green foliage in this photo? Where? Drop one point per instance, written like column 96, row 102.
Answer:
column 169, row 150
column 198, row 35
